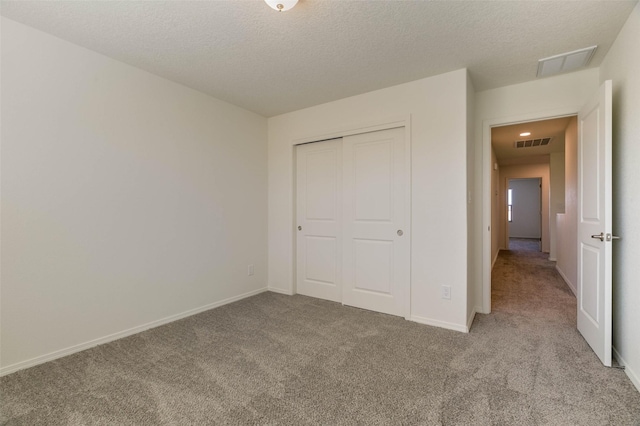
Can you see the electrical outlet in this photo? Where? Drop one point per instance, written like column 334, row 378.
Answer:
column 250, row 270
column 446, row 292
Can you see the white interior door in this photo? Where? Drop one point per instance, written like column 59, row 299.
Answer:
column 375, row 214
column 594, row 223
column 318, row 211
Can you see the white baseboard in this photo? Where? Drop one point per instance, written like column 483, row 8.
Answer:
column 470, row 320
column 633, row 376
column 495, row 258
column 553, row 259
column 281, row 291
column 441, row 324
column 119, row 335
column 480, row 310
column 566, row 280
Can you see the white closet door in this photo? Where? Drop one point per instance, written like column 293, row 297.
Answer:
column 318, row 211
column 375, row 222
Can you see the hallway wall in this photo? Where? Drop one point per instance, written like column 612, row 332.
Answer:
column 567, row 223
column 519, row 172
column 556, row 198
column 495, row 207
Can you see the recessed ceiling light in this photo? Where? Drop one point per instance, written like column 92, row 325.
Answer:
column 565, row 62
column 525, row 134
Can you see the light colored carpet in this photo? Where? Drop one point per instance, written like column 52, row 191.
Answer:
column 274, row 359
column 524, row 244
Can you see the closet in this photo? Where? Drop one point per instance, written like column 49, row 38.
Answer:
column 352, row 210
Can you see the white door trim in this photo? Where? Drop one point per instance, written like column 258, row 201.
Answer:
column 486, row 186
column 354, row 129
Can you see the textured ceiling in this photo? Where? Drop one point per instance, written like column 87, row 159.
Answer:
column 243, row 52
column 503, row 138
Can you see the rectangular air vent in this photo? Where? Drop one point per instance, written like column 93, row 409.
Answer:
column 565, row 62
column 532, row 142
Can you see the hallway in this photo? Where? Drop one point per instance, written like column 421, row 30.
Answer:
column 526, row 244
column 537, row 310
column 525, row 282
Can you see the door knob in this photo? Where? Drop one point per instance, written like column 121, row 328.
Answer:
column 299, row 228
column 400, row 233
column 602, row 237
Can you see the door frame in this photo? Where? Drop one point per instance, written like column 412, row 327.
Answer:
column 403, row 121
column 486, row 185
column 505, row 222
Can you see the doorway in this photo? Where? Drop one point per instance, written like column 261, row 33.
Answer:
column 524, row 214
column 590, row 197
column 544, row 154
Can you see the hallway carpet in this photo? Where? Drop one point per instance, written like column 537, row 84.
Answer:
column 274, row 359
column 524, row 244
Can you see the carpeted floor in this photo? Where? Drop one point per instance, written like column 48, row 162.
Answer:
column 524, row 244
column 274, row 359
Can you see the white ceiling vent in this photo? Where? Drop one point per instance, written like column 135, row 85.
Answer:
column 529, row 143
column 565, row 62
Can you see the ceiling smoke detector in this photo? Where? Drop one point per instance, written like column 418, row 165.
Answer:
column 565, row 62
column 530, row 143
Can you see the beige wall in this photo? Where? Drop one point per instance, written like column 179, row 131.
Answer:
column 495, row 207
column 127, row 200
column 622, row 65
column 567, row 241
column 437, row 108
column 520, row 172
column 556, row 203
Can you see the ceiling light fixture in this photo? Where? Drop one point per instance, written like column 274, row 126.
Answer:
column 525, row 134
column 281, row 5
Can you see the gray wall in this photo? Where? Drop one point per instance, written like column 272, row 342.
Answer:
column 526, row 208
